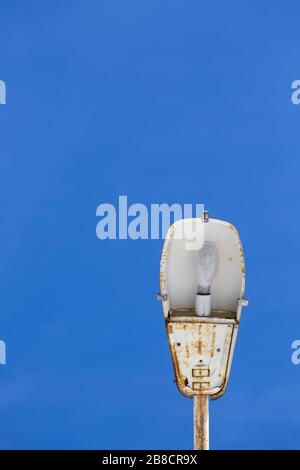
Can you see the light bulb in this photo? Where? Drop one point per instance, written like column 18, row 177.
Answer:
column 206, row 267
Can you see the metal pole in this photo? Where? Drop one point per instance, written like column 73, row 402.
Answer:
column 201, row 422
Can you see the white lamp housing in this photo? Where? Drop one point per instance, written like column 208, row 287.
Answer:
column 202, row 293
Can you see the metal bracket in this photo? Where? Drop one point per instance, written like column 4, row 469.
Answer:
column 161, row 297
column 243, row 302
column 205, row 216
column 240, row 304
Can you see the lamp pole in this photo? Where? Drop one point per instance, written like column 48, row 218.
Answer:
column 201, row 422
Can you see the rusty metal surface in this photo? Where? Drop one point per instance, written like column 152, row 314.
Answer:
column 242, row 258
column 201, row 422
column 189, row 315
column 202, row 347
column 200, row 353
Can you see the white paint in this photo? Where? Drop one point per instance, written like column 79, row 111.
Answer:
column 178, row 267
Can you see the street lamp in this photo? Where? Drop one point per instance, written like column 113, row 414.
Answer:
column 202, row 295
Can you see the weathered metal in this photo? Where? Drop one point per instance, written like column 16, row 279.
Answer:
column 201, row 422
column 202, row 347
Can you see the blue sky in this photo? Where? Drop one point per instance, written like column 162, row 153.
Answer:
column 163, row 101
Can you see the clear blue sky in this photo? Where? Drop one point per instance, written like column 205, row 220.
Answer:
column 163, row 101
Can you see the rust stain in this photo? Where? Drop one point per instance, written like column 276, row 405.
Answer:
column 200, row 386
column 213, row 343
column 162, row 282
column 179, row 380
column 201, row 372
column 201, row 427
column 187, row 342
column 199, row 340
